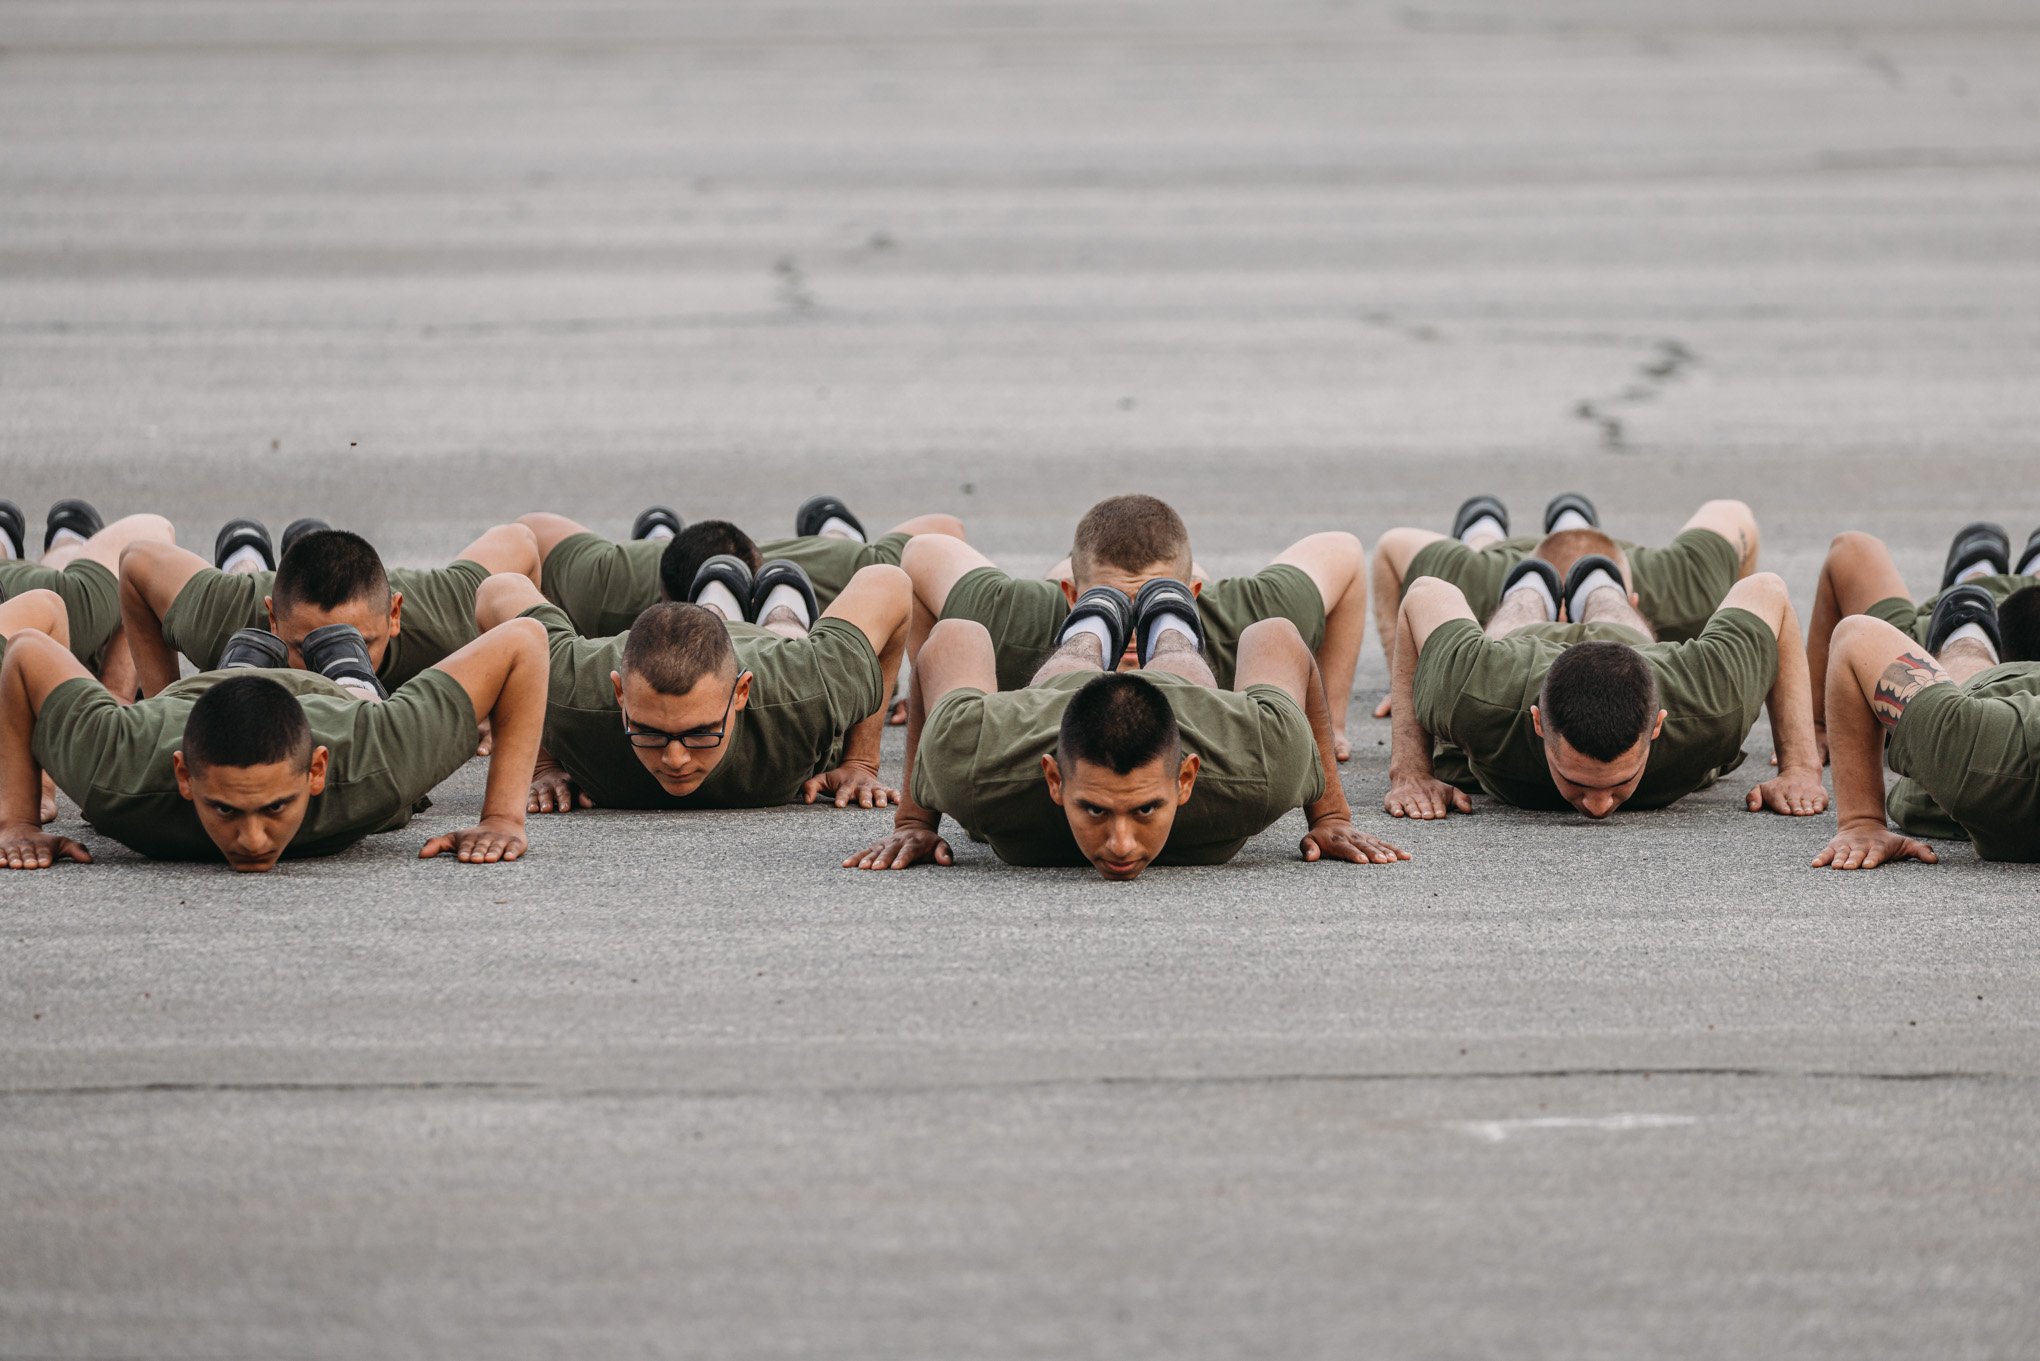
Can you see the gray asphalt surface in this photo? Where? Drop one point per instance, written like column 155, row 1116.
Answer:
column 679, row 1086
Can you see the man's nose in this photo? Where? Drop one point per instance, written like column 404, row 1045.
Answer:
column 1598, row 804
column 675, row 757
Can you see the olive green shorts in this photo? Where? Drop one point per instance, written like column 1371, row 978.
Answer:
column 1678, row 586
column 1023, row 615
column 91, row 597
column 830, row 562
column 1970, row 758
column 603, row 585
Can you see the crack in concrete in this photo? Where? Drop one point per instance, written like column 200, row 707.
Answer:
column 1668, row 362
column 1104, row 1081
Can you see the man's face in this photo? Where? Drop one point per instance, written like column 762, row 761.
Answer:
column 1596, row 788
column 1129, row 584
column 376, row 624
column 252, row 812
column 711, row 706
column 1121, row 822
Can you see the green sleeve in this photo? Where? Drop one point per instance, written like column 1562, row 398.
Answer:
column 438, row 618
column 211, row 608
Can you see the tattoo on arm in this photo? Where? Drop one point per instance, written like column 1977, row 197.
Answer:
column 1908, row 674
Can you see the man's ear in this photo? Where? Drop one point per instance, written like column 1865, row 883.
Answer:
column 320, row 758
column 1069, row 590
column 1537, row 721
column 183, row 776
column 1186, row 778
column 396, row 610
column 1051, row 772
column 616, row 684
column 1196, row 587
column 743, row 692
column 269, row 612
column 1659, row 726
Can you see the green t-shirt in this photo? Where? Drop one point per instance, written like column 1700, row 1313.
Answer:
column 437, row 619
column 114, row 760
column 806, row 694
column 1023, row 616
column 1475, row 693
column 604, row 584
column 980, row 763
column 1968, row 758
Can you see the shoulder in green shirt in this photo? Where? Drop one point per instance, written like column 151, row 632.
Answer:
column 114, row 760
column 806, row 694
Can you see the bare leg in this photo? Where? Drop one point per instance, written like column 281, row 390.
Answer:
column 1519, row 609
column 549, row 529
column 784, row 622
column 1609, row 606
column 930, row 524
column 117, row 664
column 1176, row 655
column 1080, row 653
column 1734, row 521
column 1965, row 660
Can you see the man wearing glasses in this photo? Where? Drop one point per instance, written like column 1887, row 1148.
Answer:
column 689, row 711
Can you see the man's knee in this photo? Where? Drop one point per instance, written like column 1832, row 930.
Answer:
column 1853, row 546
column 1397, row 547
column 955, row 638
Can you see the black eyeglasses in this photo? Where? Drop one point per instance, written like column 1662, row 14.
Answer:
column 697, row 740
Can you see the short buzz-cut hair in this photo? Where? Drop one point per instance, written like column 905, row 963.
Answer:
column 328, row 568
column 247, row 721
column 2019, row 625
column 1118, row 721
column 674, row 644
column 1600, row 697
column 695, row 545
column 1130, row 533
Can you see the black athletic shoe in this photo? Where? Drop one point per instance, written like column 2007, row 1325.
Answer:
column 297, row 529
column 339, row 653
column 1164, row 595
column 1965, row 604
column 656, row 517
column 1980, row 542
column 1110, row 604
column 236, row 535
column 15, row 526
column 732, row 572
column 1577, row 577
column 1473, row 507
column 1570, row 500
column 77, row 516
column 810, row 518
column 781, row 572
column 2027, row 556
column 254, row 647
column 1536, row 567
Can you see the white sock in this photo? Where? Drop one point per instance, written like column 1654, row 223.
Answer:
column 246, row 558
column 1596, row 580
column 1971, row 633
column 64, row 536
column 6, row 548
column 1570, row 519
column 1170, row 619
column 660, row 531
column 722, row 600
column 787, row 594
column 1094, row 626
column 839, row 527
column 2032, row 568
column 360, row 688
column 1487, row 526
column 1531, row 581
column 1970, row 571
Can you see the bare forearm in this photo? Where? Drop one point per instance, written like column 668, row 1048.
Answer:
column 517, row 721
column 155, row 660
column 1317, row 708
column 1409, row 749
column 1856, row 744
column 910, row 813
column 20, row 775
column 1791, row 700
